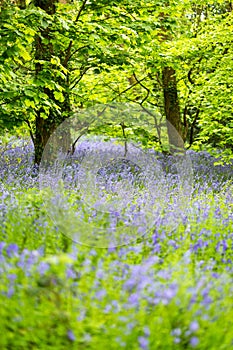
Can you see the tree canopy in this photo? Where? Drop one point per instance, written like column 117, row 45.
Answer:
column 174, row 57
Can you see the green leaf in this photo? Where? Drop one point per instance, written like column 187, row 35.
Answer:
column 24, row 53
column 59, row 96
column 29, row 103
column 30, row 93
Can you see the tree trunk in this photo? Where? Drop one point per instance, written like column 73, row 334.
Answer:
column 44, row 128
column 44, row 51
column 170, row 95
column 172, row 109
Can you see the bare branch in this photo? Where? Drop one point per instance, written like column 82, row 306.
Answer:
column 75, row 51
column 72, row 150
column 79, row 78
column 155, row 122
column 126, row 90
column 30, row 130
column 68, row 54
column 144, row 87
column 82, row 7
column 123, row 127
column 192, row 128
column 68, row 50
column 189, row 76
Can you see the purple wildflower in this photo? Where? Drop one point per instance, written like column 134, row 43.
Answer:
column 176, row 332
column 100, row 294
column 143, row 343
column 194, row 341
column 133, row 299
column 71, row 335
column 194, row 326
column 12, row 250
column 43, row 267
column 70, row 273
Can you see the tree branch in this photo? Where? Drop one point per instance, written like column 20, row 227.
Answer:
column 79, row 78
column 144, row 87
column 80, row 11
column 189, row 76
column 75, row 51
column 192, row 127
column 155, row 121
column 123, row 127
column 68, row 50
column 30, row 130
column 68, row 54
column 72, row 150
column 127, row 89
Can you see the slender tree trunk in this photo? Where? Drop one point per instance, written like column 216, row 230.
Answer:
column 172, row 108
column 44, row 52
column 170, row 94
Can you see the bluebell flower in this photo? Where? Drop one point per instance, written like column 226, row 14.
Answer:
column 70, row 273
column 12, row 250
column 143, row 343
column 176, row 332
column 194, row 326
column 176, row 340
column 134, row 299
column 43, row 267
column 71, row 335
column 100, row 294
column 194, row 341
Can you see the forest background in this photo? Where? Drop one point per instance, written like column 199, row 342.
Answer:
column 172, row 57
